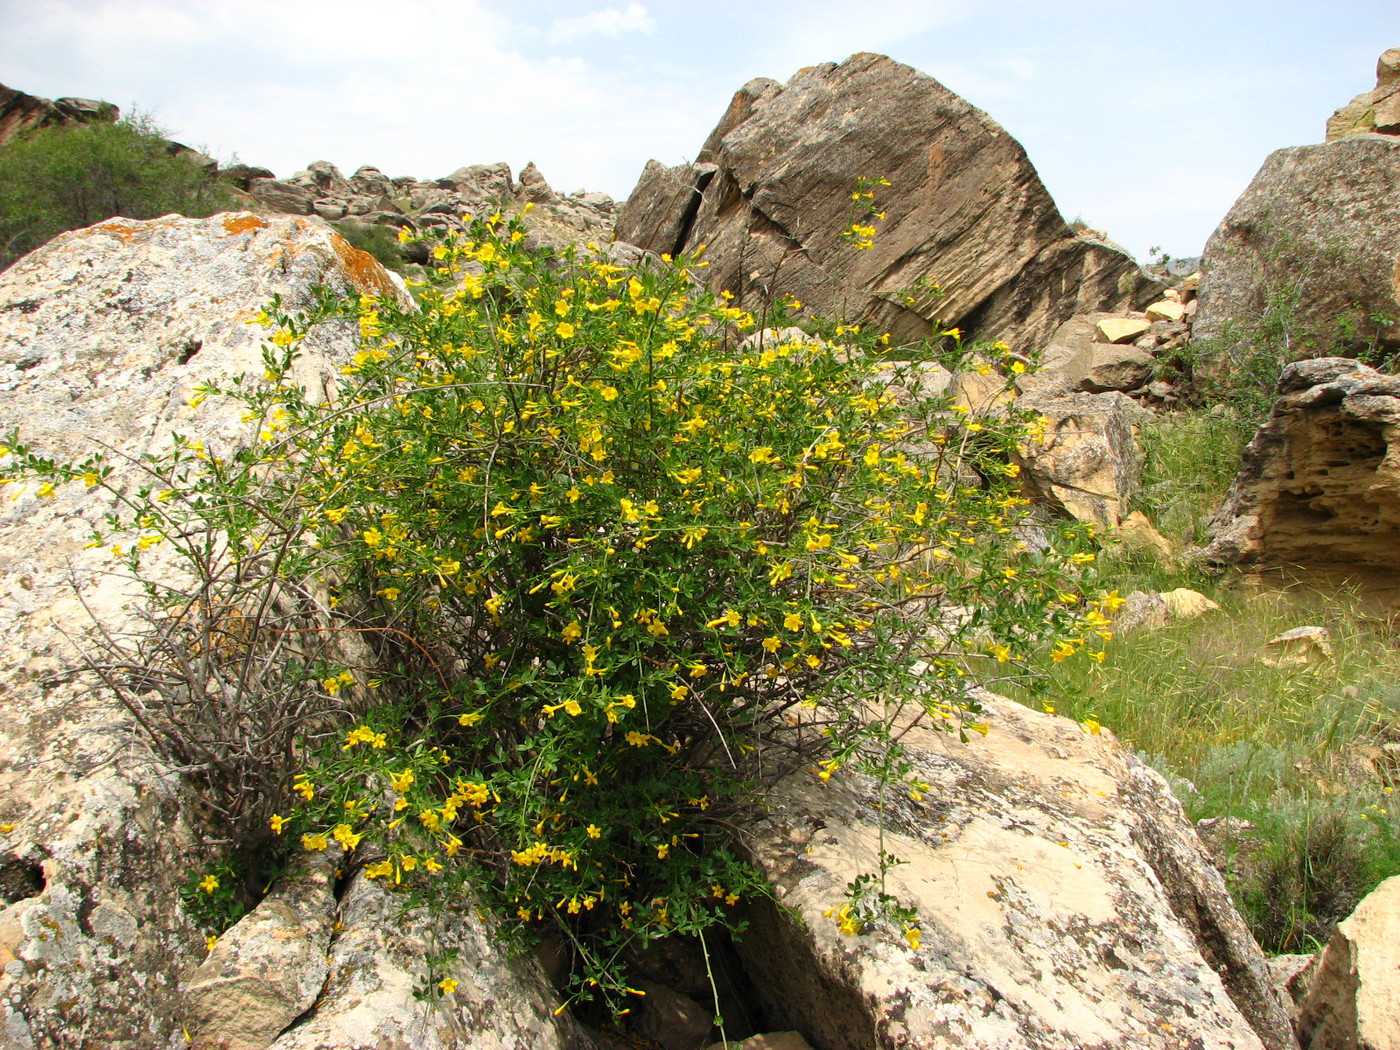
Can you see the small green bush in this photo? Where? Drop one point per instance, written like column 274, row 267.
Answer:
column 65, row 178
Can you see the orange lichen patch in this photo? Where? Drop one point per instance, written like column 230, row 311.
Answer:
column 362, row 269
column 118, row 229
column 243, row 223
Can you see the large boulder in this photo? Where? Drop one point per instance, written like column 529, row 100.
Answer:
column 1319, row 225
column 1319, row 485
column 20, row 112
column 970, row 235
column 1376, row 110
column 104, row 335
column 1353, row 991
column 1062, row 898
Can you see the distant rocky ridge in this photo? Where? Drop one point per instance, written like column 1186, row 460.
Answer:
column 368, row 197
column 20, row 112
column 372, row 198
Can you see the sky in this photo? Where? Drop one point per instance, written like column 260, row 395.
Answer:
column 1144, row 121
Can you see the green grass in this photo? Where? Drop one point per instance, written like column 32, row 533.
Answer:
column 1189, row 460
column 1299, row 753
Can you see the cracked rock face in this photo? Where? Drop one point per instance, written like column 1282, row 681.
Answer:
column 104, row 334
column 1063, row 898
column 1319, row 485
column 966, row 211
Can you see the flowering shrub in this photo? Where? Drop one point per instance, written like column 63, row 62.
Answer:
column 620, row 559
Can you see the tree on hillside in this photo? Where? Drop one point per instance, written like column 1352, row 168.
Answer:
column 63, row 178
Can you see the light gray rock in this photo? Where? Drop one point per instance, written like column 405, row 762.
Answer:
column 104, row 335
column 268, row 969
column 1062, row 897
column 381, row 994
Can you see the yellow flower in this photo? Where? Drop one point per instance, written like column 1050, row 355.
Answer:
column 609, row 393
column 594, row 831
column 564, row 330
column 447, row 986
column 793, row 622
column 346, row 836
column 209, row 883
column 469, row 718
column 45, row 490
column 913, row 935
column 731, row 618
column 209, row 941
column 277, row 823
column 572, row 632
column 314, row 843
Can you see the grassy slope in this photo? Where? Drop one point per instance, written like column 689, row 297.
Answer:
column 1309, row 757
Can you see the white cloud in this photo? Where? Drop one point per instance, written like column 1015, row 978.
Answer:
column 448, row 83
column 609, row 22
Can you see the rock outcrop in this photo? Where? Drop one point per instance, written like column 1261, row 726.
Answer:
column 104, row 335
column 1063, row 901
column 1377, row 110
column 20, row 112
column 1318, row 223
column 1319, row 485
column 970, row 235
column 1353, row 990
column 371, row 198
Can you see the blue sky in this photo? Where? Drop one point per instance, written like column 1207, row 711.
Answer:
column 1146, row 122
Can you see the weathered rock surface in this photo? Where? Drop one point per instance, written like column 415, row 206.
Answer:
column 20, row 112
column 1088, row 464
column 104, row 334
column 1353, row 992
column 1063, row 899
column 965, row 211
column 1319, row 485
column 1322, row 218
column 381, row 994
column 1377, row 110
column 268, row 969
